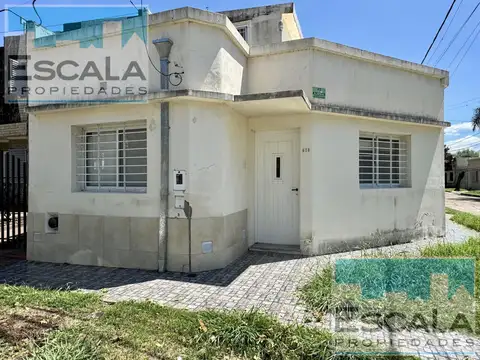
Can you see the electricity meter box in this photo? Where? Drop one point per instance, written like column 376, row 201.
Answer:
column 179, row 180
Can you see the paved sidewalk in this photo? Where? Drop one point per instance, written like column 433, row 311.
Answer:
column 465, row 203
column 267, row 282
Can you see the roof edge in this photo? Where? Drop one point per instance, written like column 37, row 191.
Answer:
column 239, row 15
column 203, row 17
column 160, row 96
column 351, row 52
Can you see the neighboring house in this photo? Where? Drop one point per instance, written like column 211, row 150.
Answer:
column 473, row 174
column 13, row 118
column 301, row 144
column 451, row 176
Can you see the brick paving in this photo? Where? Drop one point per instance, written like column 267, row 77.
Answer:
column 258, row 280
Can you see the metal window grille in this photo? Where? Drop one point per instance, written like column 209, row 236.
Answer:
column 243, row 30
column 112, row 158
column 383, row 161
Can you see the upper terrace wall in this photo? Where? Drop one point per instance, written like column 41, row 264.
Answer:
column 347, row 81
column 212, row 57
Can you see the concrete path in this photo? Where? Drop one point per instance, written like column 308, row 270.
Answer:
column 259, row 280
column 465, row 203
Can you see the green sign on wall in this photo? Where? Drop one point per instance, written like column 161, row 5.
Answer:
column 319, row 93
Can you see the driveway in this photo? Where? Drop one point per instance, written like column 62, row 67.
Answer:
column 257, row 280
column 458, row 202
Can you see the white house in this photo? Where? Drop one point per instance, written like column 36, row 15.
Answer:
column 275, row 141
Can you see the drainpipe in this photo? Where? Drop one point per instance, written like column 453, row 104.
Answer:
column 163, row 47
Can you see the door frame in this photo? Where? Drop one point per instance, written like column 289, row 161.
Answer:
column 296, row 133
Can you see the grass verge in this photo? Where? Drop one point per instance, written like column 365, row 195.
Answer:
column 78, row 326
column 323, row 295
column 465, row 192
column 466, row 219
column 475, row 193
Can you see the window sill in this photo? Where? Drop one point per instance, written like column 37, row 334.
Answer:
column 112, row 191
column 380, row 187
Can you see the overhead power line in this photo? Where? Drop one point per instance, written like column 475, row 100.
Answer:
column 463, row 45
column 460, row 140
column 36, row 12
column 460, row 104
column 465, row 147
column 439, row 29
column 446, row 31
column 456, row 34
column 177, row 75
column 466, row 52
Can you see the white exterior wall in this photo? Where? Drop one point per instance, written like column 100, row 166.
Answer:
column 210, row 59
column 344, row 211
column 209, row 141
column 120, row 56
column 333, row 207
column 52, row 155
column 215, row 145
column 347, row 81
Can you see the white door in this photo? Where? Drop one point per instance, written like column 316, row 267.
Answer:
column 277, row 183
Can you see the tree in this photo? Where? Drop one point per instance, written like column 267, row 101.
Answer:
column 449, row 159
column 476, row 119
column 467, row 153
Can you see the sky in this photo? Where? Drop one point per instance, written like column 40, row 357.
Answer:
column 402, row 29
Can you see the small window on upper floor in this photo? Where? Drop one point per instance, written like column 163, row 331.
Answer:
column 243, row 30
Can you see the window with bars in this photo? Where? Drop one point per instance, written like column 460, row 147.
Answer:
column 112, row 158
column 243, row 30
column 383, row 161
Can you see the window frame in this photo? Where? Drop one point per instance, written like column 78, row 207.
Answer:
column 244, row 25
column 245, row 28
column 403, row 177
column 120, row 129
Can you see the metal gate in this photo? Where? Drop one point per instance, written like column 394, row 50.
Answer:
column 13, row 201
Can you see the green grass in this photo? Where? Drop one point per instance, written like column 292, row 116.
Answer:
column 67, row 345
column 465, row 192
column 318, row 292
column 471, row 193
column 69, row 325
column 464, row 218
column 56, row 299
column 450, row 211
column 322, row 295
column 469, row 248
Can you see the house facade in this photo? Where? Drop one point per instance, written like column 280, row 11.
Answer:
column 460, row 165
column 472, row 174
column 268, row 137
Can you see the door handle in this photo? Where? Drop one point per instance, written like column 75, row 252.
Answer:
column 294, row 189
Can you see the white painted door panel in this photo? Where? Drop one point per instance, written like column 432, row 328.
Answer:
column 277, row 175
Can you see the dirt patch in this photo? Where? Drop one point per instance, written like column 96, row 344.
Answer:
column 18, row 325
